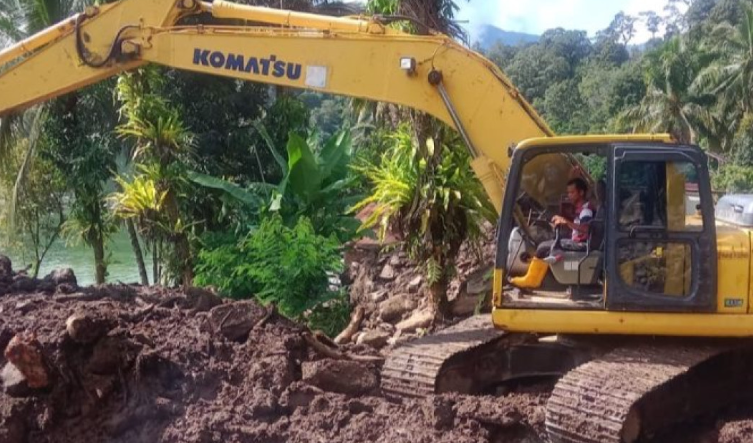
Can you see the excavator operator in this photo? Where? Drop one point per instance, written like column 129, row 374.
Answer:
column 547, row 252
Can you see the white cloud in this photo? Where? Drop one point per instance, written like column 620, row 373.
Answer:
column 536, row 16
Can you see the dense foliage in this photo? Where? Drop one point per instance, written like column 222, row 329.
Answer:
column 692, row 79
column 253, row 189
column 287, row 266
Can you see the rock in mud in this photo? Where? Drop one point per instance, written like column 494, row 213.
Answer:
column 25, row 353
column 374, row 338
column 23, row 283
column 393, row 308
column 62, row 276
column 6, row 266
column 341, row 376
column 235, row 320
column 14, row 382
column 388, row 272
column 414, row 284
column 274, row 372
column 441, row 412
column 463, row 305
column 202, row 299
column 85, row 328
column 378, row 296
column 419, row 319
column 299, row 395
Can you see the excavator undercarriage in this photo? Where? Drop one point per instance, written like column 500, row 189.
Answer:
column 610, row 389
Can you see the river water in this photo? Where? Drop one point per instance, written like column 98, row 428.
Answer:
column 121, row 263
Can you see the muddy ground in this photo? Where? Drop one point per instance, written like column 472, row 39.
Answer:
column 131, row 364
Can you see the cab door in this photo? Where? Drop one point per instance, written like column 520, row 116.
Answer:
column 661, row 249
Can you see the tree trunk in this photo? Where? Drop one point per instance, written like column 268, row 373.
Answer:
column 99, row 257
column 180, row 240
column 155, row 262
column 439, row 298
column 137, row 251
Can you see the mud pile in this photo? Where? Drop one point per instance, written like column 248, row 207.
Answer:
column 131, row 364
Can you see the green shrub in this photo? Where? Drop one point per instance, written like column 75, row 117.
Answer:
column 435, row 207
column 276, row 264
column 733, row 178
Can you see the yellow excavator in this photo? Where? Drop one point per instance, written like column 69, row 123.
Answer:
column 644, row 323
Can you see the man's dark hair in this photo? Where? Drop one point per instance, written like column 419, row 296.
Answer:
column 579, row 184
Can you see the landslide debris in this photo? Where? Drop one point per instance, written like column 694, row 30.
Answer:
column 133, row 364
column 138, row 364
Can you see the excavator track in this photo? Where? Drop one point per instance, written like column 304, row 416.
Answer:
column 638, row 390
column 472, row 357
column 412, row 370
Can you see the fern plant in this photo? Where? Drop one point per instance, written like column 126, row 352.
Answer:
column 287, row 266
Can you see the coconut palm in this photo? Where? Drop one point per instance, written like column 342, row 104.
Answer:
column 670, row 104
column 731, row 77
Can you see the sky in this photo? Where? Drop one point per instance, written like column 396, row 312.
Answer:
column 536, row 16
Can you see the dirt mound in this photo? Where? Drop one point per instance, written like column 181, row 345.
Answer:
column 133, row 364
column 127, row 364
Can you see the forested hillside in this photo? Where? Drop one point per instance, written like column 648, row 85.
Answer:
column 693, row 79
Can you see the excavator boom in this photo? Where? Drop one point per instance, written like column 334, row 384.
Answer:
column 356, row 57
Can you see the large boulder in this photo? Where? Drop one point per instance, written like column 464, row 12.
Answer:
column 419, row 319
column 235, row 320
column 341, row 376
column 375, row 338
column 395, row 307
column 62, row 276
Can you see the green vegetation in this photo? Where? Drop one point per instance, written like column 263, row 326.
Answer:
column 287, row 266
column 434, row 208
column 254, row 189
column 693, row 79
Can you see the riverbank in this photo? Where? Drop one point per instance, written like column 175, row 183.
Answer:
column 121, row 263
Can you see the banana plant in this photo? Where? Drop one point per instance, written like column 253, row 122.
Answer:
column 315, row 184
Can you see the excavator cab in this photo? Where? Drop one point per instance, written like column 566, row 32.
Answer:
column 644, row 249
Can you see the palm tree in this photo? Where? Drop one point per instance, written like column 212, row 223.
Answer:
column 730, row 77
column 670, row 104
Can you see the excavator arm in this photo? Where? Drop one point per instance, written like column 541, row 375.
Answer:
column 357, row 57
